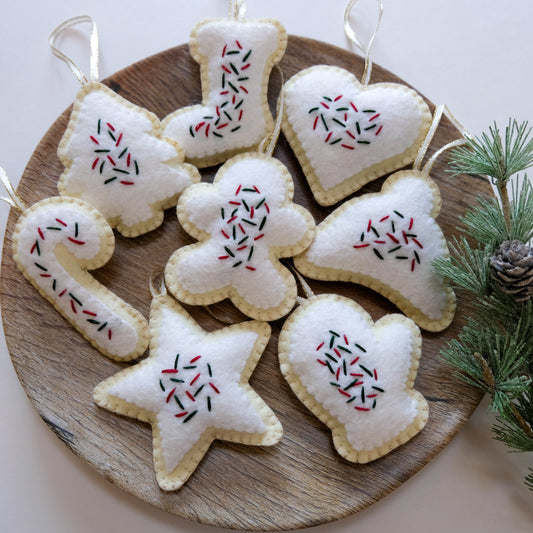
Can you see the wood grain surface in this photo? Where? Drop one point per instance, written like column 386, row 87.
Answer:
column 300, row 482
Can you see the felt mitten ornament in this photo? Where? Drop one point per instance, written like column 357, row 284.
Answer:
column 236, row 57
column 193, row 389
column 115, row 155
column 347, row 132
column 55, row 242
column 355, row 375
column 387, row 241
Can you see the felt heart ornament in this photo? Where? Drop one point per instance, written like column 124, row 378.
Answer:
column 346, row 134
column 357, row 377
column 387, row 241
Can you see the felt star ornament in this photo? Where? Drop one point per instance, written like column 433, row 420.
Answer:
column 193, row 389
column 245, row 221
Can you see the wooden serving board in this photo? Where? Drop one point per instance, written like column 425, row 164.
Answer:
column 302, row 481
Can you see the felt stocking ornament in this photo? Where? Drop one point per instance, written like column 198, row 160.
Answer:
column 388, row 241
column 347, row 132
column 55, row 242
column 355, row 375
column 236, row 57
column 193, row 389
column 114, row 154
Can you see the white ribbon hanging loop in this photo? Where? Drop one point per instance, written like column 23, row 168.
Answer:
column 13, row 199
column 350, row 33
column 94, row 59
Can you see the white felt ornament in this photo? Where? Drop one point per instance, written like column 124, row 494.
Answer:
column 55, row 242
column 245, row 221
column 356, row 376
column 388, row 241
column 193, row 389
column 346, row 133
column 236, row 57
column 116, row 157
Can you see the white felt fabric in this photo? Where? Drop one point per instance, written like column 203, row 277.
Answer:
column 189, row 125
column 396, row 108
column 202, row 270
column 412, row 197
column 388, row 350
column 149, row 175
column 50, row 229
column 231, row 407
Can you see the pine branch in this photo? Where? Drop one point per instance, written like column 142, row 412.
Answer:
column 466, row 268
column 497, row 158
column 494, row 351
column 491, row 156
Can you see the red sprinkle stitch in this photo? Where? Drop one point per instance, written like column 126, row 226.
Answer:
column 169, row 371
column 76, row 241
column 170, row 394
column 214, row 388
column 319, row 346
column 61, row 222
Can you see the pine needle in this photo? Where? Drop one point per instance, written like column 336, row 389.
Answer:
column 497, row 158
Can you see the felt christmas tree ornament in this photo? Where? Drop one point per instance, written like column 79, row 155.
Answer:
column 345, row 132
column 193, row 389
column 236, row 57
column 357, row 377
column 115, row 155
column 55, row 242
column 388, row 241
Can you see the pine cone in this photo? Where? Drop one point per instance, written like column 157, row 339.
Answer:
column 512, row 268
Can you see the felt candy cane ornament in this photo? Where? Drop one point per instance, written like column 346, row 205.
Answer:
column 55, row 242
column 236, row 57
column 114, row 153
column 346, row 132
column 387, row 241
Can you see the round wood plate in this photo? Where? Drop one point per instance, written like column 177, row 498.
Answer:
column 300, row 482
